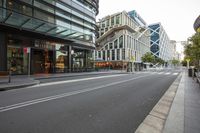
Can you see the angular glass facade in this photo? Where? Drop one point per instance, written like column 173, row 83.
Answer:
column 51, row 29
column 160, row 43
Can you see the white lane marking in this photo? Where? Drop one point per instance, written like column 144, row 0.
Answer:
column 167, row 73
column 75, row 80
column 45, row 99
column 175, row 73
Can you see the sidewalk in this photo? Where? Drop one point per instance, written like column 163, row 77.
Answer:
column 17, row 82
column 187, row 106
column 177, row 111
column 21, row 81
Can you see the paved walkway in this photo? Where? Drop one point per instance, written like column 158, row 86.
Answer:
column 177, row 111
column 192, row 106
column 17, row 82
column 185, row 111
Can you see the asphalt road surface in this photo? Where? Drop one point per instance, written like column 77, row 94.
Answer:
column 99, row 104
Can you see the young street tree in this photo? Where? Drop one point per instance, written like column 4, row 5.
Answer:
column 192, row 50
column 148, row 57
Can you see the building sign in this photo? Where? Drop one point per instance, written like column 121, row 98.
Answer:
column 44, row 44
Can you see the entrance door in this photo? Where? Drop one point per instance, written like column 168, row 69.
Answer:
column 42, row 61
column 38, row 61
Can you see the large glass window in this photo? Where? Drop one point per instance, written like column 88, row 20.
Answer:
column 12, row 5
column 43, row 7
column 17, row 60
column 27, row 1
column 121, row 42
column 61, row 58
column 43, row 16
column 1, row 2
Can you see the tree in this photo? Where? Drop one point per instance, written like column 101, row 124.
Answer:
column 175, row 62
column 192, row 50
column 148, row 57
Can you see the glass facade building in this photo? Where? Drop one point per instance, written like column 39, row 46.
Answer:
column 160, row 43
column 47, row 36
column 197, row 24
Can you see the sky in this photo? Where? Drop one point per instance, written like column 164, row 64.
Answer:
column 176, row 16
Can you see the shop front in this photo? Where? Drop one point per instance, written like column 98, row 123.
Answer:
column 27, row 55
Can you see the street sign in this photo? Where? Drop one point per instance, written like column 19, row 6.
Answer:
column 132, row 58
column 187, row 60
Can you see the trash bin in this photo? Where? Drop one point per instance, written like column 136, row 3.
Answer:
column 190, row 72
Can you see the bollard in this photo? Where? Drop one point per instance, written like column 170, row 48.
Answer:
column 9, row 77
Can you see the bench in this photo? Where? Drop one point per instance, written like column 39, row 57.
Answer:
column 4, row 75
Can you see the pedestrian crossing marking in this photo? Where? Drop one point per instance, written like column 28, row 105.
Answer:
column 167, row 73
column 175, row 73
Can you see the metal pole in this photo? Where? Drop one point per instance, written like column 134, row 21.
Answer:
column 29, row 61
column 188, row 64
column 9, row 76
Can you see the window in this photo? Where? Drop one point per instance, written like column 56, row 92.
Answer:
column 108, row 22
column 113, row 54
column 121, row 42
column 106, row 47
column 103, row 25
column 108, row 54
column 12, row 5
column 104, row 55
column 1, row 2
column 112, row 21
column 115, row 43
column 110, row 45
column 118, row 54
column 106, row 29
column 43, row 16
column 123, row 54
column 43, row 7
column 117, row 19
column 99, row 54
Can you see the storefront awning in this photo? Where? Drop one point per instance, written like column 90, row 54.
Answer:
column 20, row 21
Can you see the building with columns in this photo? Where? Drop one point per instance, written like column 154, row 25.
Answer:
column 123, row 39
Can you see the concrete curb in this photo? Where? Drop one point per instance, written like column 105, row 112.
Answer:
column 175, row 119
column 16, row 86
column 155, row 121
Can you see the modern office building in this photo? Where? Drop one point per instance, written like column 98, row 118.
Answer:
column 173, row 43
column 122, row 41
column 47, row 36
column 160, row 43
column 197, row 24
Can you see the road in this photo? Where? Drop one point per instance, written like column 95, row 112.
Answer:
column 102, row 104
